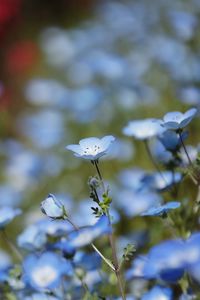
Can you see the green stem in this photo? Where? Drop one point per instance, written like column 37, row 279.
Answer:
column 93, row 246
column 115, row 261
column 112, row 242
column 185, row 149
column 100, row 176
column 103, row 257
column 188, row 157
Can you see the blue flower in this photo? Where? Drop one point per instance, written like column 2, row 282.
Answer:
column 137, row 268
column 192, row 249
column 45, row 272
column 192, row 256
column 176, row 120
column 35, row 236
column 53, row 208
column 7, row 214
column 166, row 261
column 40, row 296
column 161, row 210
column 92, row 148
column 188, row 296
column 5, row 264
column 128, row 297
column 54, row 228
column 160, row 183
column 144, row 129
column 67, row 249
column 194, row 271
column 131, row 178
column 85, row 235
column 87, row 261
column 32, row 238
column 171, row 140
column 160, row 153
column 169, row 260
column 190, row 95
column 134, row 204
column 158, row 292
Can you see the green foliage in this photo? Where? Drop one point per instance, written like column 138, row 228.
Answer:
column 16, row 271
column 128, row 252
column 105, row 204
column 10, row 296
column 89, row 296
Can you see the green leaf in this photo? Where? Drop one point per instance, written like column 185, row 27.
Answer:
column 128, row 252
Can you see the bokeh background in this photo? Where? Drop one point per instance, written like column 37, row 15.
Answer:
column 74, row 69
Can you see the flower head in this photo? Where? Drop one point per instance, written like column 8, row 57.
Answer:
column 53, row 208
column 171, row 140
column 144, row 129
column 32, row 238
column 176, row 120
column 85, row 235
column 92, row 148
column 157, row 182
column 45, row 272
column 162, row 209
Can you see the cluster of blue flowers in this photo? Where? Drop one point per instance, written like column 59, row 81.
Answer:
column 135, row 234
column 57, row 258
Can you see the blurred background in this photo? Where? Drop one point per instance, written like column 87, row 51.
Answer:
column 74, row 69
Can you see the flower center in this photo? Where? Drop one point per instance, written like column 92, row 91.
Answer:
column 92, row 150
column 44, row 276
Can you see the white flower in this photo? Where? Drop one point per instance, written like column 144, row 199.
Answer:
column 52, row 207
column 92, row 148
column 143, row 129
column 176, row 120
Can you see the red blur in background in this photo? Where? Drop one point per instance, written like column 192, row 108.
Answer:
column 21, row 56
column 9, row 10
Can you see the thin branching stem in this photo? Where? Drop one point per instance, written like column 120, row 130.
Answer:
column 100, row 176
column 112, row 242
column 93, row 246
column 188, row 157
column 185, row 149
column 153, row 160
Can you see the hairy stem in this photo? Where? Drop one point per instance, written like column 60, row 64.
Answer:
column 99, row 175
column 93, row 246
column 112, row 242
column 185, row 150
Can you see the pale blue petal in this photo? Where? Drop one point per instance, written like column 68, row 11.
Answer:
column 75, row 148
column 174, row 116
column 106, row 141
column 89, row 142
column 171, row 125
column 190, row 113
